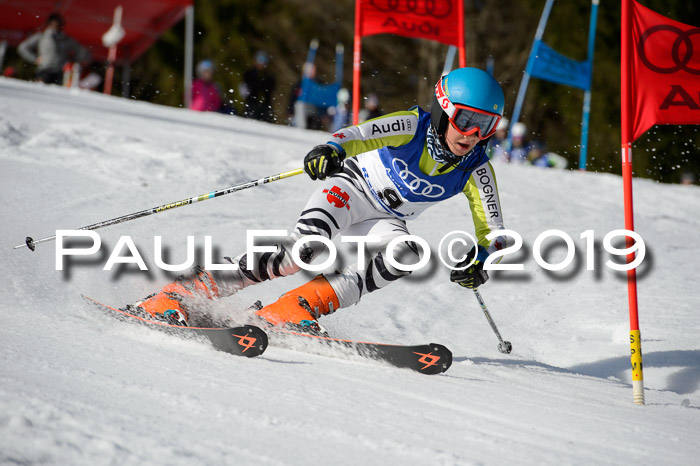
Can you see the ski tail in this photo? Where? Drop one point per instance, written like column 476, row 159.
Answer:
column 246, row 340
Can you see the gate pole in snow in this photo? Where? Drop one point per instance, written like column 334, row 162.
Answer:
column 110, row 39
column 109, row 75
column 585, row 118
column 189, row 40
column 625, row 99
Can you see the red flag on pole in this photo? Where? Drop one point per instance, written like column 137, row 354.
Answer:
column 438, row 20
column 664, row 71
column 427, row 19
column 660, row 83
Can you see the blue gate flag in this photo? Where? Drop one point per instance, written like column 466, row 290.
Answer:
column 320, row 95
column 550, row 65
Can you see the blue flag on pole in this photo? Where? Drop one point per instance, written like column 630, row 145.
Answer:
column 550, row 65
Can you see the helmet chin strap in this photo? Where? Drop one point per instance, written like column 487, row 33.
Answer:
column 440, row 152
column 452, row 160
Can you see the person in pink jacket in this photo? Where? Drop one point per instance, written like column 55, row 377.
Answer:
column 206, row 94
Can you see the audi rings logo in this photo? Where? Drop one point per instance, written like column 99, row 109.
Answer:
column 434, row 8
column 680, row 62
column 417, row 185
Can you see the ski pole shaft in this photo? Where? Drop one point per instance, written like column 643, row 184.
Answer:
column 31, row 243
column 504, row 346
column 488, row 315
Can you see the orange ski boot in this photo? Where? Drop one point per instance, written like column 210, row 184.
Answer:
column 301, row 307
column 168, row 305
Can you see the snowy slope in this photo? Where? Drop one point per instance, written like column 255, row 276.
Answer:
column 80, row 388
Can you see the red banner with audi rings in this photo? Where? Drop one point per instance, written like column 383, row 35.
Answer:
column 426, row 19
column 660, row 84
column 438, row 20
column 664, row 71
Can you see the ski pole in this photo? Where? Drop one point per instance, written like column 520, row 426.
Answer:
column 31, row 243
column 503, row 346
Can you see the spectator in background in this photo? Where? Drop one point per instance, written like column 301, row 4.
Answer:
column 371, row 109
column 518, row 150
column 294, row 94
column 538, row 156
column 258, row 85
column 688, row 178
column 206, row 94
column 306, row 115
column 341, row 116
column 51, row 49
column 498, row 145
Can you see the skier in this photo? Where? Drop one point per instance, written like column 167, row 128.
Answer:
column 375, row 176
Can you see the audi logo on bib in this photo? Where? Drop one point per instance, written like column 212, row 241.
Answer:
column 416, row 184
column 682, row 38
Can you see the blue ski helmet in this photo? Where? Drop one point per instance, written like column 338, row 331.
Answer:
column 469, row 87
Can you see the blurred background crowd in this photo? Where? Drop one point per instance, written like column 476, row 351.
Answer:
column 282, row 62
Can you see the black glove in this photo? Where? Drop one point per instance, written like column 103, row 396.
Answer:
column 474, row 275
column 323, row 161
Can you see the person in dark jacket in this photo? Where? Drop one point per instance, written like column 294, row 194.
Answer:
column 259, row 84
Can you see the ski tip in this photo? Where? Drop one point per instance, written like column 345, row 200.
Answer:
column 446, row 357
column 251, row 340
column 429, row 359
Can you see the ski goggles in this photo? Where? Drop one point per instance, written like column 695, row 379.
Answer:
column 467, row 120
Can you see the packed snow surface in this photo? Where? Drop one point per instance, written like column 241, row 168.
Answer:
column 78, row 387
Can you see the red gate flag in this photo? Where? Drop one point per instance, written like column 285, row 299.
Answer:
column 664, row 73
column 437, row 20
column 660, row 84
